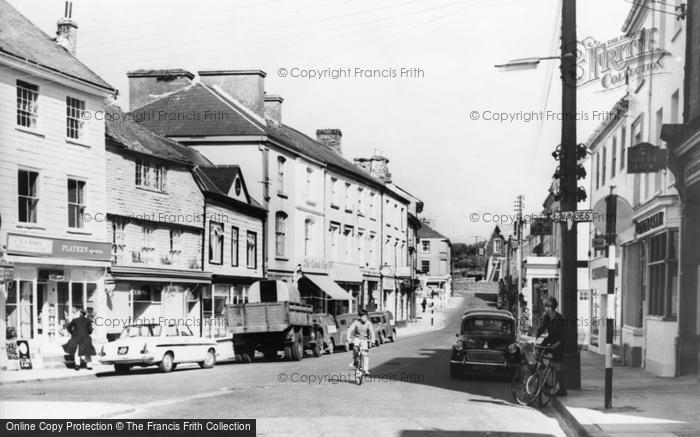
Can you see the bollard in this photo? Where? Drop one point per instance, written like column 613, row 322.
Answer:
column 432, row 311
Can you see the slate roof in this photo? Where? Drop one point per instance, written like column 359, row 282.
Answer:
column 20, row 38
column 222, row 177
column 236, row 121
column 426, row 231
column 195, row 111
column 120, row 128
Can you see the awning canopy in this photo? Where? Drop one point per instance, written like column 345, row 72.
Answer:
column 333, row 290
column 145, row 274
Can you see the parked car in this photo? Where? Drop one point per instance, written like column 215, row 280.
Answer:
column 383, row 328
column 332, row 329
column 486, row 343
column 156, row 345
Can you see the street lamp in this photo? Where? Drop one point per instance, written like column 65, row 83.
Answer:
column 523, row 63
column 568, row 170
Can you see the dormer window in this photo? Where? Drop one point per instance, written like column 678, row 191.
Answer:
column 237, row 186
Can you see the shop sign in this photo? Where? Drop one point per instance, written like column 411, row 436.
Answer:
column 645, row 158
column 25, row 359
column 6, row 272
column 602, row 272
column 652, row 222
column 18, row 244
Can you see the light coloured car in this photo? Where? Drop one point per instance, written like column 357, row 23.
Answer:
column 156, row 345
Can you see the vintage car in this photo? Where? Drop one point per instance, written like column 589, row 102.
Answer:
column 332, row 329
column 486, row 343
column 383, row 328
column 157, row 345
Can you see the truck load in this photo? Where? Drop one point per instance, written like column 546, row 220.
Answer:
column 274, row 319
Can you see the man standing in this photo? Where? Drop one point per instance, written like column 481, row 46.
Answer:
column 80, row 344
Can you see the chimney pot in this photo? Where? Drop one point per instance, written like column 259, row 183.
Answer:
column 273, row 108
column 246, row 86
column 145, row 86
column 331, row 138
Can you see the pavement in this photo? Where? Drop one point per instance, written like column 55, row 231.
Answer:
column 410, row 392
column 642, row 404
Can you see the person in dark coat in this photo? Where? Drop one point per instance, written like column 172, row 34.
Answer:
column 424, row 304
column 80, row 343
column 555, row 326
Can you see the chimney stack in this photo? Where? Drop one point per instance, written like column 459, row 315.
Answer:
column 246, row 86
column 331, row 138
column 377, row 166
column 273, row 108
column 67, row 29
column 146, row 86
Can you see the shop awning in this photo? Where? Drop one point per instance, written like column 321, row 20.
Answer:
column 142, row 274
column 333, row 290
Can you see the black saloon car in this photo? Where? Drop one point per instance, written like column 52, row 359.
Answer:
column 486, row 343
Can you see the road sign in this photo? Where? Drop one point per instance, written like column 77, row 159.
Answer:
column 582, row 215
column 623, row 220
column 600, row 242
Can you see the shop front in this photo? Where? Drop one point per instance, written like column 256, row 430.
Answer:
column 52, row 281
column 324, row 294
column 653, row 259
column 150, row 295
column 225, row 290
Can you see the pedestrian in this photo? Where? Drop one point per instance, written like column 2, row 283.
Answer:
column 424, row 303
column 80, row 343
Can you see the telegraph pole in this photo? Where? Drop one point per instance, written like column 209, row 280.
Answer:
column 519, row 203
column 569, row 196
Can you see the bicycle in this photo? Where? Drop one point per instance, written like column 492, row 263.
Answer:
column 536, row 380
column 362, row 350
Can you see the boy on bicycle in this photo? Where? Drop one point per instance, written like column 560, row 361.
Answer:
column 361, row 330
column 553, row 322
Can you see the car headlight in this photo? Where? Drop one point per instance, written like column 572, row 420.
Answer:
column 459, row 346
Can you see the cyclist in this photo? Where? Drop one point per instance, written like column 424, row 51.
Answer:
column 553, row 322
column 361, row 330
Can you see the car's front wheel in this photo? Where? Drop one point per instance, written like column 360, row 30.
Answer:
column 209, row 360
column 166, row 365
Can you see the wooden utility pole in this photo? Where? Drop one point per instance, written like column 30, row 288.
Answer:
column 569, row 198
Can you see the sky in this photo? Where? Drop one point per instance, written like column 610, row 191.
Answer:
column 437, row 124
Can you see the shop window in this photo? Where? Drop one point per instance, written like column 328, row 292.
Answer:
column 663, row 274
column 76, row 295
column 91, row 298
column 62, row 306
column 11, row 311
column 19, row 309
